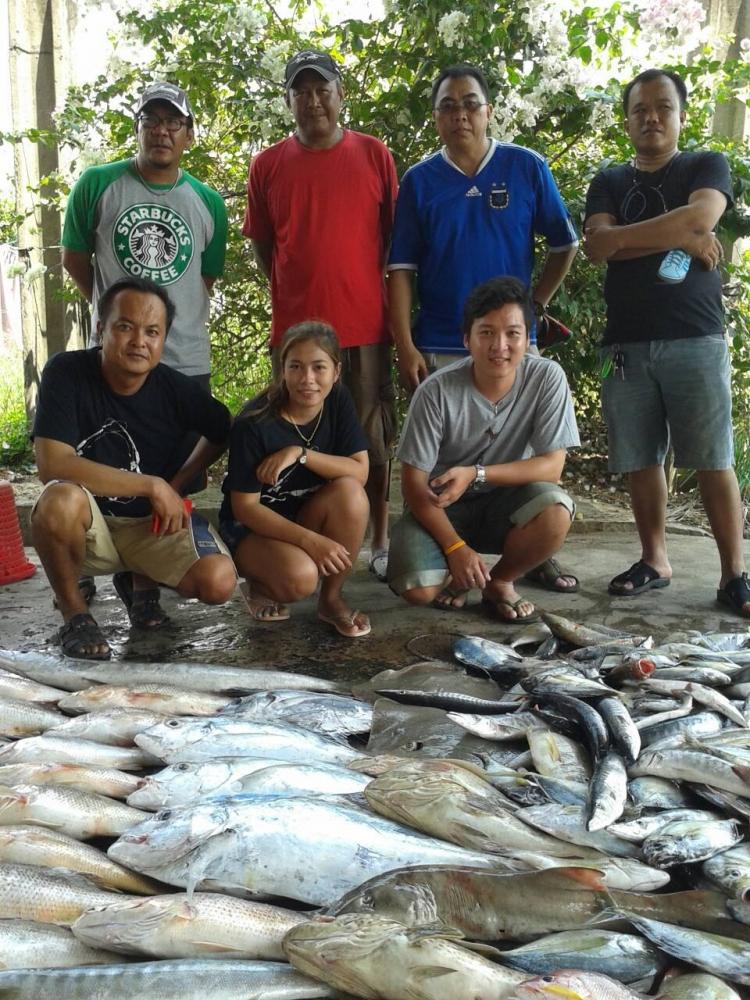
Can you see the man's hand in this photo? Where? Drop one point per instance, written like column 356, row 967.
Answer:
column 330, row 557
column 272, row 466
column 705, row 248
column 601, row 243
column 167, row 504
column 412, row 367
column 453, row 483
column 467, row 569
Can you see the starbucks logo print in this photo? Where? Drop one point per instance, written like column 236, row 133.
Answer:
column 153, row 241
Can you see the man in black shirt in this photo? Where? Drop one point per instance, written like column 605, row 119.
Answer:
column 107, row 440
column 665, row 358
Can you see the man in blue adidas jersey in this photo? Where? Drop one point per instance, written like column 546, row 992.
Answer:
column 465, row 214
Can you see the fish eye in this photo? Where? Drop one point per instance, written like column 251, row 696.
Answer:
column 548, row 979
column 182, row 767
column 734, row 872
column 164, row 815
column 172, row 723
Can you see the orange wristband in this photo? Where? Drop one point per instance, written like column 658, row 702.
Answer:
column 453, row 547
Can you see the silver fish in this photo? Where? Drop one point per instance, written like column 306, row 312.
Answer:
column 569, row 824
column 51, row 897
column 58, row 750
column 638, row 829
column 197, row 739
column 26, row 944
column 377, row 957
column 205, row 924
column 695, row 986
column 730, row 870
column 265, row 844
column 115, row 726
column 721, row 956
column 22, row 689
column 609, row 791
column 688, row 841
column 100, row 780
column 24, row 718
column 179, row 979
column 689, row 765
column 509, row 726
column 164, row 699
column 76, row 675
column 623, row 732
column 626, row 957
column 332, row 714
column 79, row 814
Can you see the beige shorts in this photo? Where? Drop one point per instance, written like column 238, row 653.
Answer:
column 366, row 372
column 117, row 544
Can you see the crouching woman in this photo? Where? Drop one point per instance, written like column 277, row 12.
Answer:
column 295, row 509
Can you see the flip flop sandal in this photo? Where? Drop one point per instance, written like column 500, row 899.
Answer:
column 735, row 594
column 143, row 607
column 641, row 575
column 262, row 608
column 346, row 625
column 446, row 598
column 546, row 575
column 87, row 587
column 494, row 609
column 378, row 565
column 81, row 633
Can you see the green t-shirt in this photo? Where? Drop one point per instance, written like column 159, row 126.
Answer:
column 172, row 234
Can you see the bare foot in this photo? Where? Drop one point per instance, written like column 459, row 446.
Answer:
column 505, row 600
column 262, row 607
column 351, row 624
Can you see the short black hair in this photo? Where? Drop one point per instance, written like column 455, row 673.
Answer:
column 455, row 73
column 144, row 285
column 647, row 76
column 494, row 294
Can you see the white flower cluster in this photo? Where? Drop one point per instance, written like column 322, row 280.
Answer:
column 242, row 22
column 676, row 23
column 451, row 28
column 273, row 61
column 28, row 275
column 745, row 49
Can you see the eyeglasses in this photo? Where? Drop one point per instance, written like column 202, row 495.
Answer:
column 468, row 104
column 171, row 124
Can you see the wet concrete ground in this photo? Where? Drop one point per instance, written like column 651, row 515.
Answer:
column 228, row 635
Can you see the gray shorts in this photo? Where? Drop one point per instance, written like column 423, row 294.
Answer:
column 676, row 391
column 482, row 519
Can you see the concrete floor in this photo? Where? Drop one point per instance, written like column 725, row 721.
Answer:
column 227, row 635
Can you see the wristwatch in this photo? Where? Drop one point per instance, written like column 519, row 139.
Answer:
column 303, row 457
column 481, row 476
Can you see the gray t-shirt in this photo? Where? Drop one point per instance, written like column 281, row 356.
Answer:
column 451, row 423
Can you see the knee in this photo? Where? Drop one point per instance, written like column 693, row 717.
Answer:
column 350, row 497
column 554, row 519
column 298, row 586
column 216, row 585
column 419, row 596
column 63, row 508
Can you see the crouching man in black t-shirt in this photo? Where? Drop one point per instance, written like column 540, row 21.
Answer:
column 665, row 362
column 107, row 441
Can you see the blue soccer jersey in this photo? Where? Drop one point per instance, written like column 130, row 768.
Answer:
column 457, row 231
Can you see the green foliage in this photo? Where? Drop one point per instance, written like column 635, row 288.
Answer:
column 15, row 447
column 554, row 79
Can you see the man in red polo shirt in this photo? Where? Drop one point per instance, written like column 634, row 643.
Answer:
column 319, row 213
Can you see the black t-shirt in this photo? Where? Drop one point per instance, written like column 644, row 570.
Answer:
column 139, row 433
column 639, row 305
column 254, row 437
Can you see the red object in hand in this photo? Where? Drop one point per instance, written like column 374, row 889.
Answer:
column 187, row 503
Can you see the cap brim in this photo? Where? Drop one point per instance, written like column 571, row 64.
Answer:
column 325, row 73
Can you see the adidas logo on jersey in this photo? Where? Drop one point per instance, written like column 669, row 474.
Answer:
column 474, row 192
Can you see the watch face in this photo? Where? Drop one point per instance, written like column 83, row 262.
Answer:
column 303, row 458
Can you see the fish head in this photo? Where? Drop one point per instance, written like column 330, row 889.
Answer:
column 179, row 784
column 172, row 734
column 330, row 948
column 169, row 835
column 571, row 984
column 122, row 925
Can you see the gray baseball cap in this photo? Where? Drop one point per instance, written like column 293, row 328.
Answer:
column 165, row 92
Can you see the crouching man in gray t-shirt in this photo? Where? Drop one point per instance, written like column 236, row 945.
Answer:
column 482, row 450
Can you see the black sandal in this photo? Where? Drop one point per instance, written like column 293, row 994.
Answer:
column 81, row 634
column 736, row 594
column 143, row 607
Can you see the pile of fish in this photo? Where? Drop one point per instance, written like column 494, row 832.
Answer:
column 563, row 816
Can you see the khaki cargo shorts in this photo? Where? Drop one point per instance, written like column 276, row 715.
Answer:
column 117, row 544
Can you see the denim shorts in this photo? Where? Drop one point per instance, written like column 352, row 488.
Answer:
column 670, row 391
column 482, row 519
